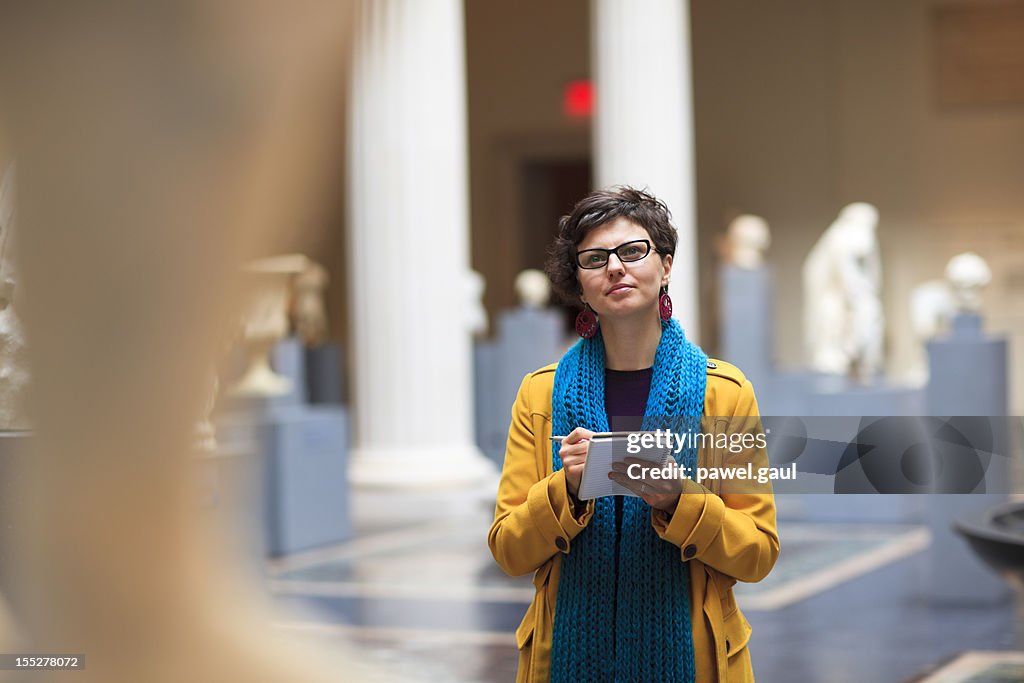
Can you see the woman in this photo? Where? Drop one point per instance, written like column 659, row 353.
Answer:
column 628, row 588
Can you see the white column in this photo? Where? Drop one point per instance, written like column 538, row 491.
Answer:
column 643, row 132
column 408, row 249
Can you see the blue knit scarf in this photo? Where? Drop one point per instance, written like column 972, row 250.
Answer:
column 633, row 626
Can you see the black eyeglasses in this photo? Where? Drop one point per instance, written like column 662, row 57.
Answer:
column 591, row 259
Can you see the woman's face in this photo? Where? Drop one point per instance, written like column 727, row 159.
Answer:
column 622, row 290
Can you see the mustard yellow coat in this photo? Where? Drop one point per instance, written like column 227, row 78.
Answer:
column 724, row 536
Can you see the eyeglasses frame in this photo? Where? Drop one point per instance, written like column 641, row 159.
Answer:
column 614, row 250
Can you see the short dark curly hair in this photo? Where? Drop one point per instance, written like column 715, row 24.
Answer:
column 596, row 209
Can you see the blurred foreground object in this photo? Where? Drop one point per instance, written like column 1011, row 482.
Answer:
column 14, row 375
column 158, row 145
column 747, row 238
column 843, row 320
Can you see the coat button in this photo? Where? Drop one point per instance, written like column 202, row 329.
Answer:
column 726, row 646
column 689, row 551
column 562, row 545
column 712, row 365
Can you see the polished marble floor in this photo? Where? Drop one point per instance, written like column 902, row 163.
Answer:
column 419, row 594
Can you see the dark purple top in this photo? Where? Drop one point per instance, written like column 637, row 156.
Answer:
column 625, row 398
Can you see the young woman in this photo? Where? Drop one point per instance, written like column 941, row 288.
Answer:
column 628, row 588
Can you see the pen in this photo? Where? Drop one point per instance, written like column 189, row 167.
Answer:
column 598, row 435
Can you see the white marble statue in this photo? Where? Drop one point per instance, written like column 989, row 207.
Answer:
column 968, row 274
column 14, row 375
column 476, row 313
column 308, row 311
column 533, row 288
column 843, row 319
column 746, row 240
column 933, row 304
column 266, row 322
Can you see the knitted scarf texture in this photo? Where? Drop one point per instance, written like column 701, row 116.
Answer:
column 632, row 624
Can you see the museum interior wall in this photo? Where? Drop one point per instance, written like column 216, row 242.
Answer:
column 801, row 107
column 518, row 63
column 802, row 110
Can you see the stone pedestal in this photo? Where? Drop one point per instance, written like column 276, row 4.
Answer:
column 288, row 358
column 746, row 317
column 491, row 434
column 325, row 379
column 527, row 339
column 230, row 485
column 305, row 484
column 967, row 376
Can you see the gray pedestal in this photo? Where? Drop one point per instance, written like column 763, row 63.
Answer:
column 288, row 358
column 490, row 432
column 747, row 321
column 231, row 495
column 526, row 339
column 325, row 379
column 967, row 376
column 836, row 396
column 871, row 400
column 304, row 451
column 784, row 394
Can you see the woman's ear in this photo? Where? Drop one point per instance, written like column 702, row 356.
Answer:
column 666, row 261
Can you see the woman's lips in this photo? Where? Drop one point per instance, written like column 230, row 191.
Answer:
column 619, row 288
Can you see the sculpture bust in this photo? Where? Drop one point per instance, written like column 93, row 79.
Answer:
column 968, row 274
column 747, row 238
column 533, row 288
column 309, row 314
column 843, row 319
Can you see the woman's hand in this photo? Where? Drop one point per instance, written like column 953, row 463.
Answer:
column 574, row 451
column 662, row 494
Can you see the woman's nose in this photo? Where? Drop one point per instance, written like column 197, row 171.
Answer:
column 615, row 264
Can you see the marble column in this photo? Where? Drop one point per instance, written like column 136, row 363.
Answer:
column 643, row 121
column 408, row 249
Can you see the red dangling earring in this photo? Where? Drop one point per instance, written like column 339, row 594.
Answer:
column 664, row 305
column 586, row 322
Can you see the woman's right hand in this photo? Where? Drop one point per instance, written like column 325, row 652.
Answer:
column 574, row 455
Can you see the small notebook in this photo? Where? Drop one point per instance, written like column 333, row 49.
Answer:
column 606, row 448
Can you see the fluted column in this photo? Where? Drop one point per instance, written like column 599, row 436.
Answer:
column 643, row 132
column 408, row 248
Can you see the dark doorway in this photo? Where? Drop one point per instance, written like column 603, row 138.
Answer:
column 550, row 189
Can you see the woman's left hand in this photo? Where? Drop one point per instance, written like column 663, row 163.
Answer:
column 658, row 493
